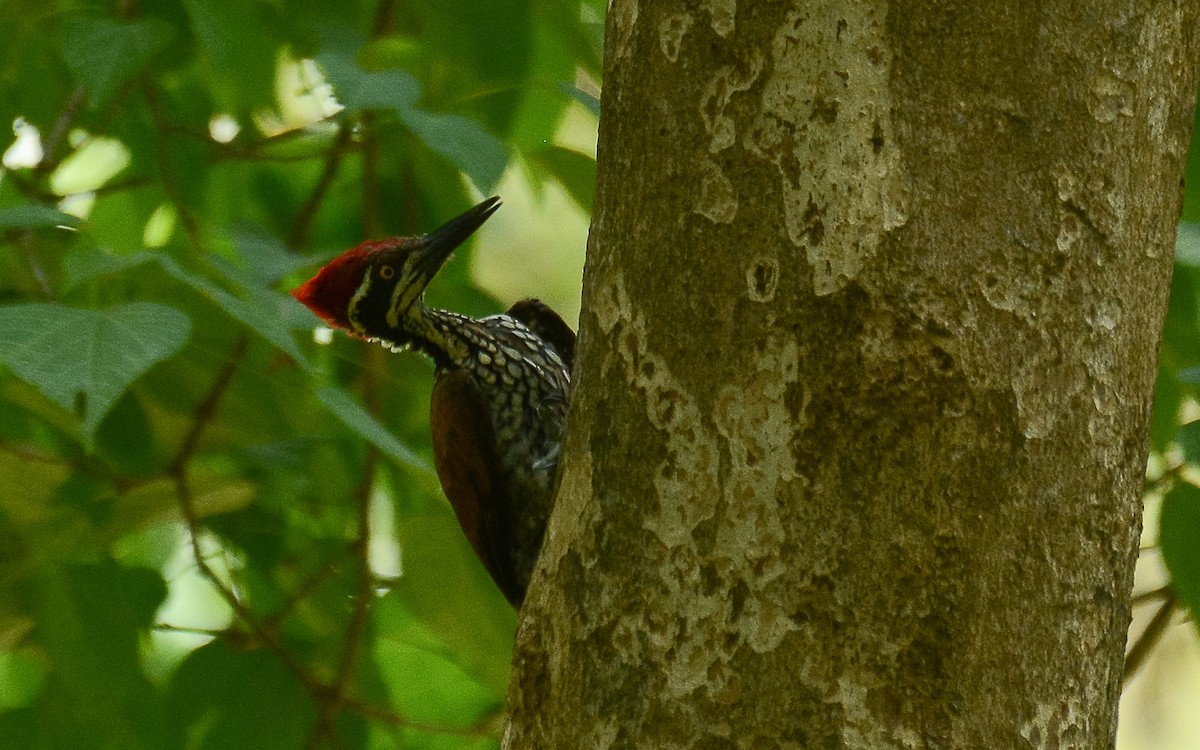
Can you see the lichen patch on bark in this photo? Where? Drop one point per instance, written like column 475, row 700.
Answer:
column 827, row 129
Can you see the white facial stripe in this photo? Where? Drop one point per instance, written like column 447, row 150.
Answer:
column 358, row 295
column 393, row 313
column 403, row 296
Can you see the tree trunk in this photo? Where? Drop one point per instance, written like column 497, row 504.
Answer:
column 871, row 311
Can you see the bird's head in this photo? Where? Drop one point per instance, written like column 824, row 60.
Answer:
column 376, row 290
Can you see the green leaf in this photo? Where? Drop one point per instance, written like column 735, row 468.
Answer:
column 487, row 66
column 358, row 419
column 461, row 141
column 82, row 264
column 126, row 442
column 261, row 310
column 476, row 622
column 226, row 699
column 1188, row 438
column 462, row 630
column 103, row 54
column 357, row 89
column 237, row 41
column 35, row 216
column 90, row 621
column 590, row 101
column 574, row 171
column 1179, row 541
column 1164, row 417
column 386, row 89
column 267, row 258
column 22, row 673
column 84, row 360
column 428, row 689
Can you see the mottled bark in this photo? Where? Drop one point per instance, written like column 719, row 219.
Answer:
column 871, row 313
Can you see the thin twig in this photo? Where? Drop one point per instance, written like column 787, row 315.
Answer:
column 170, row 179
column 1151, row 595
column 167, row 627
column 1149, row 638
column 391, row 718
column 268, row 638
column 79, row 463
column 360, row 548
column 250, row 154
column 201, row 416
column 29, row 188
column 116, row 186
column 331, row 698
column 298, row 236
column 62, row 126
column 36, row 191
column 385, row 16
column 207, row 408
column 363, row 595
column 301, row 593
column 372, row 217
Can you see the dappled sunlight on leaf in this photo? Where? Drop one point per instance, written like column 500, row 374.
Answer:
column 96, row 162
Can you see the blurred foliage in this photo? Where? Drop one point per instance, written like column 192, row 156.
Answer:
column 216, row 531
column 1175, row 423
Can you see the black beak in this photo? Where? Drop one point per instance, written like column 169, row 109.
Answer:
column 436, row 246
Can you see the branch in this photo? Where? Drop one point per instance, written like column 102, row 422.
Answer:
column 331, row 699
column 363, row 596
column 203, row 414
column 268, row 637
column 1149, row 638
column 170, row 179
column 1151, row 595
column 301, row 593
column 364, row 583
column 207, row 408
column 478, row 730
column 62, row 126
column 166, row 627
column 298, row 236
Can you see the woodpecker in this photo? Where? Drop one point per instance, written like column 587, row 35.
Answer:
column 500, row 392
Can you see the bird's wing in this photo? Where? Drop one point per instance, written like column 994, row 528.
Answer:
column 549, row 327
column 464, row 452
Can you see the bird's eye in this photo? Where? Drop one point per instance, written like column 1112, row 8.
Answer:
column 386, row 273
